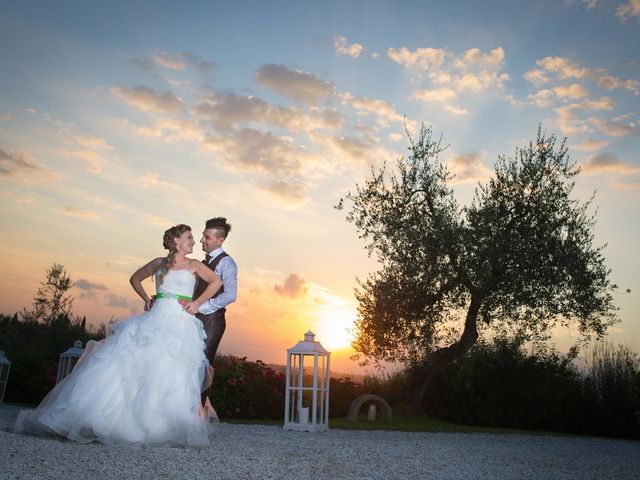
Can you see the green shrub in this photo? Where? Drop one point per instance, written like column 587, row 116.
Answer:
column 499, row 385
column 342, row 391
column 247, row 390
column 34, row 348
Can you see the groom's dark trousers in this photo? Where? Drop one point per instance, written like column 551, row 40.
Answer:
column 214, row 323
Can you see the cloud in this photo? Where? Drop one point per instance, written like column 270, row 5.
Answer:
column 385, row 111
column 474, row 70
column 90, row 141
column 6, row 117
column 437, row 95
column 225, row 110
column 143, row 64
column 564, row 68
column 147, row 99
column 299, row 86
column 292, row 191
column 451, row 75
column 474, row 57
column 567, row 115
column 574, row 91
column 281, row 167
column 441, row 96
column 627, row 10
column 182, row 61
column 542, row 98
column 12, row 164
column 607, row 163
column 422, row 59
column 152, row 180
column 78, row 213
column 614, row 127
column 568, row 120
column 169, row 129
column 343, row 48
column 589, row 4
column 590, row 145
column 294, row 286
column 89, row 289
column 157, row 221
column 609, row 82
column 89, row 157
column 626, row 183
column 537, row 77
column 348, row 149
column 120, row 301
column 468, row 167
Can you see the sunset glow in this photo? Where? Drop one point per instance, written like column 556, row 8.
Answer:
column 121, row 119
column 335, row 327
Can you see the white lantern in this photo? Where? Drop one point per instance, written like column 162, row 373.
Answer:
column 68, row 360
column 306, row 405
column 5, row 366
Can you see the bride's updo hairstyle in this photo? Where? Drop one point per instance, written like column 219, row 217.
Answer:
column 169, row 244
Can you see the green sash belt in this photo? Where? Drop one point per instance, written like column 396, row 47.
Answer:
column 173, row 295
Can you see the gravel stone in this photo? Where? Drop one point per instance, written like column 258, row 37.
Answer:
column 269, row 452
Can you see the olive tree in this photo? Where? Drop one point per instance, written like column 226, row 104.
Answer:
column 52, row 301
column 520, row 256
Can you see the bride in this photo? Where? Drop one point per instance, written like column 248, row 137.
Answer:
column 141, row 385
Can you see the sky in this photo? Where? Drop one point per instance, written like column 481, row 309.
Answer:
column 121, row 119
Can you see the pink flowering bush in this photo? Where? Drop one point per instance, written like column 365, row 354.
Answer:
column 247, row 390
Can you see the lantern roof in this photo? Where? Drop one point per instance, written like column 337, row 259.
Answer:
column 308, row 345
column 76, row 350
column 4, row 360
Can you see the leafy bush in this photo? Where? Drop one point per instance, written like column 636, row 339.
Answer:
column 610, row 390
column 34, row 347
column 499, row 385
column 247, row 390
column 342, row 391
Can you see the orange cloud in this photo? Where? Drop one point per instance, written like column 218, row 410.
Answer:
column 609, row 163
column 147, row 99
column 12, row 164
column 343, row 48
column 294, row 286
column 300, row 86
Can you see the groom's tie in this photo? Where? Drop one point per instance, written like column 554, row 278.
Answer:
column 207, row 259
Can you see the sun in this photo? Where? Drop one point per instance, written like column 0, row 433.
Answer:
column 335, row 327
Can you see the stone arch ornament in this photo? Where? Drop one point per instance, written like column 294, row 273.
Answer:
column 380, row 402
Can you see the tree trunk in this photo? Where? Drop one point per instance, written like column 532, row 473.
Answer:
column 425, row 373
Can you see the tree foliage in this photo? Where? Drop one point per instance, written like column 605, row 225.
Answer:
column 52, row 299
column 521, row 256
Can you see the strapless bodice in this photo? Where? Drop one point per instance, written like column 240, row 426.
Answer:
column 180, row 282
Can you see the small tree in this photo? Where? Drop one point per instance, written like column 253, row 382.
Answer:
column 520, row 256
column 52, row 300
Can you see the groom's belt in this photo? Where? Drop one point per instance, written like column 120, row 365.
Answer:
column 173, row 295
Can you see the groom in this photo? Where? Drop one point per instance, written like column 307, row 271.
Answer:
column 212, row 311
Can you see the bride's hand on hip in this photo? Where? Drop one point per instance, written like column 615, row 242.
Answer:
column 148, row 304
column 192, row 307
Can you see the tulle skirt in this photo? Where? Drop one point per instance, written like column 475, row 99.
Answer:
column 139, row 386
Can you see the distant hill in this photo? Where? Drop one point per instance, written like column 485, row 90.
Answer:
column 309, row 371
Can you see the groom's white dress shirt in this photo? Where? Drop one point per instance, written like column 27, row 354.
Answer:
column 227, row 270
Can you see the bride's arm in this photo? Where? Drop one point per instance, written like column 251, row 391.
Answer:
column 206, row 274
column 145, row 272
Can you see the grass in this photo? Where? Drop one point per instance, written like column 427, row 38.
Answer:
column 406, row 423
column 416, row 423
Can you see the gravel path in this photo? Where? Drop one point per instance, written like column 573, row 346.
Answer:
column 266, row 452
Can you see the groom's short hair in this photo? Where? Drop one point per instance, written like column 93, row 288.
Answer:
column 220, row 224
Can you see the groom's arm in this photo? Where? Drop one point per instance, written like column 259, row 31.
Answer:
column 229, row 276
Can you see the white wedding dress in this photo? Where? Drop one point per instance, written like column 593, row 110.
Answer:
column 139, row 386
